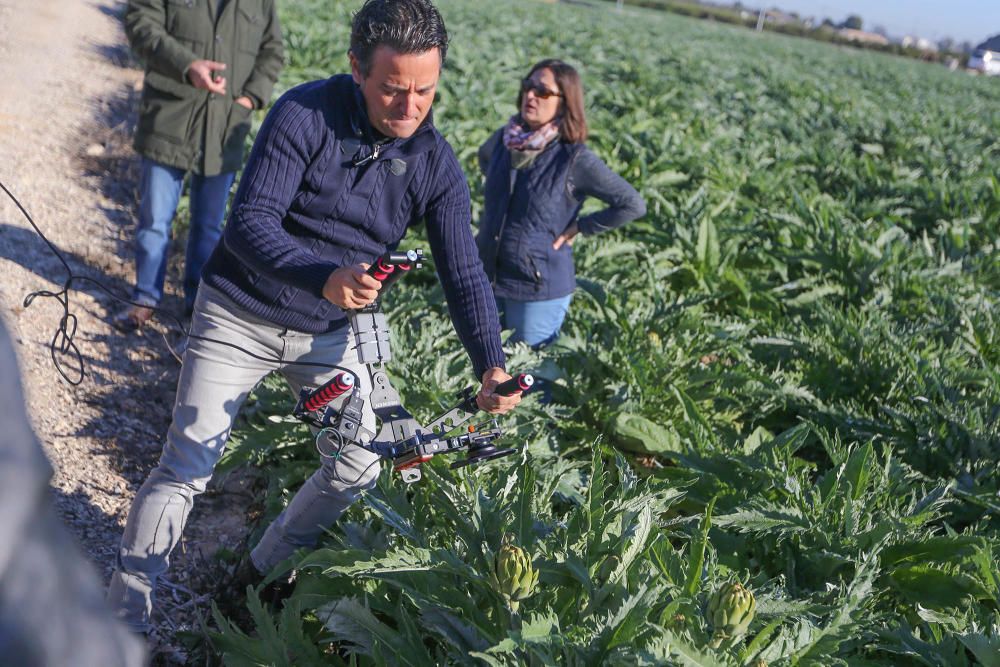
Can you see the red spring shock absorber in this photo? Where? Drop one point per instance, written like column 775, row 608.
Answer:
column 341, row 383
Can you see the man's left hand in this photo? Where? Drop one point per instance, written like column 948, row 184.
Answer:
column 494, row 403
column 244, row 101
column 567, row 237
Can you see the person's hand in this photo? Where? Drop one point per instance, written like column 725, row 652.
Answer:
column 245, row 101
column 494, row 403
column 350, row 287
column 567, row 237
column 201, row 74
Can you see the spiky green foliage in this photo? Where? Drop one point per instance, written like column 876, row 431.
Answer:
column 786, row 374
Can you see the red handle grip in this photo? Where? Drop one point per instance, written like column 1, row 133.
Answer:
column 381, row 269
column 337, row 386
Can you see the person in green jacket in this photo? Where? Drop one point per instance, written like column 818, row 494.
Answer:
column 209, row 64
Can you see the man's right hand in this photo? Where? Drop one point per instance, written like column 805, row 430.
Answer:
column 201, row 74
column 350, row 287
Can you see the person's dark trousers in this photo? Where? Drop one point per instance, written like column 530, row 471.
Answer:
column 160, row 191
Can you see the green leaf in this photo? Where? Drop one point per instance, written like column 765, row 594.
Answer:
column 765, row 520
column 955, row 549
column 666, row 178
column 696, row 557
column 638, row 536
column 463, row 636
column 524, row 514
column 595, row 502
column 541, row 626
column 986, row 649
column 707, row 250
column 350, row 621
column 932, row 616
column 937, row 587
column 858, row 469
column 684, row 652
column 635, row 433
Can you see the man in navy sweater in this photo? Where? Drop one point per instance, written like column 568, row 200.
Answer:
column 339, row 171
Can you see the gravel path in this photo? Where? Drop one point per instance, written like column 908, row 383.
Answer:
column 69, row 91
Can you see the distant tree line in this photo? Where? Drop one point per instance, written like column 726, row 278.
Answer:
column 827, row 31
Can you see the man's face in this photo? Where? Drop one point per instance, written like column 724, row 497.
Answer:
column 398, row 89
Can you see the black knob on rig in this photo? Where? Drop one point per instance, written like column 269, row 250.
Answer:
column 481, row 447
column 480, row 455
column 483, row 450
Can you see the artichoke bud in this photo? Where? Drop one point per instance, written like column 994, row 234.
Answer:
column 513, row 575
column 730, row 610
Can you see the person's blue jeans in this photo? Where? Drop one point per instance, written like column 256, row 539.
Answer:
column 160, row 189
column 537, row 323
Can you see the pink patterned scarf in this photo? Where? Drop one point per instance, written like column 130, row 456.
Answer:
column 525, row 144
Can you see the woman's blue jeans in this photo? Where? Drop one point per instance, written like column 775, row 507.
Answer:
column 537, row 323
column 160, row 190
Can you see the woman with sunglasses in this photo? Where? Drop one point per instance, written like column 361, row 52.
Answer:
column 538, row 173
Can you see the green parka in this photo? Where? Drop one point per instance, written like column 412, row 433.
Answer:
column 186, row 127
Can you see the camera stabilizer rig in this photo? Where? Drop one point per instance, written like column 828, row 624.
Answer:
column 401, row 438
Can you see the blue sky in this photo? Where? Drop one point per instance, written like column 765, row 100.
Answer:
column 972, row 20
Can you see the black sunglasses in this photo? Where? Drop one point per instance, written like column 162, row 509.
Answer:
column 540, row 91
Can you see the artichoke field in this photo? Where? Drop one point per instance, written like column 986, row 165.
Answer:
column 774, row 432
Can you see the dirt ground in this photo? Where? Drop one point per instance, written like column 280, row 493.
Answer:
column 70, row 89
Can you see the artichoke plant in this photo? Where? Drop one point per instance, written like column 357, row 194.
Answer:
column 513, row 575
column 730, row 610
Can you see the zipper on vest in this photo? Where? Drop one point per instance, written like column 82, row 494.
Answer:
column 503, row 223
column 538, row 274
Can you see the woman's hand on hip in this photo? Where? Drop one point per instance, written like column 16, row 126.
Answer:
column 350, row 287
column 567, row 237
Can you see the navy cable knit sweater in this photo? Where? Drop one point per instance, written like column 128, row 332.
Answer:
column 303, row 208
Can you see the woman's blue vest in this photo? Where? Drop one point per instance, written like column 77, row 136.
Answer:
column 523, row 213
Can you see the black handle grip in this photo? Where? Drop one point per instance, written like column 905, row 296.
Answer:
column 387, row 263
column 520, row 382
column 392, row 266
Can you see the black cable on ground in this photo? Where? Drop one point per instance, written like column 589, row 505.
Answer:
column 62, row 344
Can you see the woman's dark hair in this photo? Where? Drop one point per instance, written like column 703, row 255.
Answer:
column 573, row 129
column 406, row 26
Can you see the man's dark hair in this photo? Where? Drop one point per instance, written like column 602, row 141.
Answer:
column 405, row 26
